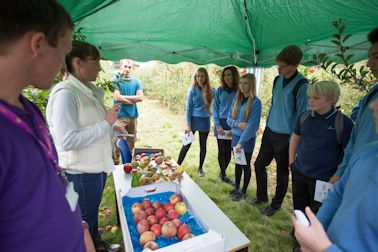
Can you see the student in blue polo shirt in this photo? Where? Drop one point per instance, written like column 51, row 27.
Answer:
column 198, row 112
column 317, row 143
column 223, row 98
column 244, row 119
column 288, row 101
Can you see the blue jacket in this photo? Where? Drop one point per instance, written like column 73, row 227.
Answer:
column 363, row 133
column 222, row 105
column 128, row 87
column 195, row 105
column 357, row 108
column 253, row 121
column 349, row 214
column 282, row 114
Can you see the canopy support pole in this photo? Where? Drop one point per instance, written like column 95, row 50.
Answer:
column 249, row 29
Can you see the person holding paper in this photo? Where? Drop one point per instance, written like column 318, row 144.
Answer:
column 198, row 112
column 317, row 143
column 223, row 98
column 244, row 120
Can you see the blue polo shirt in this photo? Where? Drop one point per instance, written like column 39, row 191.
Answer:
column 35, row 215
column 128, row 87
column 319, row 153
column 195, row 105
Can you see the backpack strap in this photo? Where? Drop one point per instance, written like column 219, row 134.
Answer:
column 296, row 89
column 275, row 82
column 369, row 97
column 339, row 126
column 304, row 117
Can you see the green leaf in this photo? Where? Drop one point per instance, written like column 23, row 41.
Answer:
column 347, row 37
column 336, row 36
column 349, row 57
column 335, row 24
column 339, row 55
column 341, row 29
column 336, row 42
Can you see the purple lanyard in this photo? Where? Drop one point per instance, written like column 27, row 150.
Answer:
column 46, row 144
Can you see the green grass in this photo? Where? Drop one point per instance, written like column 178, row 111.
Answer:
column 159, row 127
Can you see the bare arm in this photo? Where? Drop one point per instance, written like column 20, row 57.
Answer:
column 134, row 98
column 294, row 141
column 121, row 98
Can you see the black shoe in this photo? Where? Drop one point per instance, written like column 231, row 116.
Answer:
column 103, row 246
column 226, row 179
column 234, row 192
column 256, row 201
column 201, row 173
column 297, row 248
column 269, row 210
column 238, row 196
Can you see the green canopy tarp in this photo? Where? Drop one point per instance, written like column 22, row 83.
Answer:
column 243, row 33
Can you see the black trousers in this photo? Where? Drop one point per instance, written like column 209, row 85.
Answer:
column 203, row 140
column 247, row 173
column 303, row 192
column 275, row 146
column 224, row 154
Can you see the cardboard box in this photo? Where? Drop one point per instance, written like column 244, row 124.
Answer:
column 210, row 241
column 148, row 150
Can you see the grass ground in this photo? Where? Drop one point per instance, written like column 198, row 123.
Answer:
column 159, row 127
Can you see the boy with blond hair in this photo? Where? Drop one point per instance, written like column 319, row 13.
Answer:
column 317, row 143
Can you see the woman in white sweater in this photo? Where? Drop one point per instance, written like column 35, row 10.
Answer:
column 81, row 128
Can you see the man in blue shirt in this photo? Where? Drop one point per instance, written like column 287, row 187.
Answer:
column 129, row 92
column 288, row 101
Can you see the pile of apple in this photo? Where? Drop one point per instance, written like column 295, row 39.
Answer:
column 155, row 168
column 154, row 219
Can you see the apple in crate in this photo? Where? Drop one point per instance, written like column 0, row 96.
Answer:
column 146, row 203
column 143, row 226
column 127, row 168
column 163, row 220
column 188, row 236
column 153, row 219
column 157, row 205
column 151, row 245
column 173, row 215
column 140, row 215
column 181, row 208
column 160, row 213
column 175, row 198
column 169, row 229
column 156, row 228
column 146, row 237
column 149, row 211
column 178, row 222
column 168, row 206
column 136, row 207
column 183, row 230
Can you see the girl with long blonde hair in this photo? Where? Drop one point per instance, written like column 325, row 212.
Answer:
column 244, row 120
column 198, row 112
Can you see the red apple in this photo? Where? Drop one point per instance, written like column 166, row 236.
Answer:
column 146, row 203
column 163, row 220
column 146, row 237
column 137, row 157
column 136, row 207
column 149, row 211
column 143, row 226
column 178, row 222
column 169, row 229
column 183, row 230
column 168, row 163
column 188, row 236
column 156, row 205
column 153, row 219
column 127, row 168
column 156, row 228
column 173, row 215
column 181, row 208
column 143, row 154
column 168, row 207
column 140, row 215
column 160, row 213
column 151, row 245
column 175, row 198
